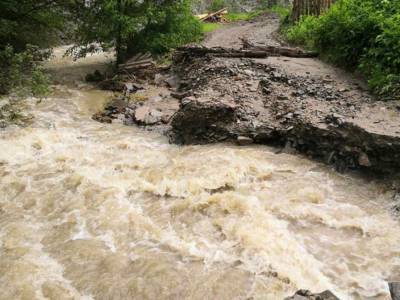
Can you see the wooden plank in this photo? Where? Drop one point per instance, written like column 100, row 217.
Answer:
column 134, row 58
column 138, row 57
column 137, row 67
column 139, row 62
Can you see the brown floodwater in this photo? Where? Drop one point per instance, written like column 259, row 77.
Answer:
column 100, row 211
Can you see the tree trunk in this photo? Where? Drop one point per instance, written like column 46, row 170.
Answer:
column 118, row 42
column 279, row 51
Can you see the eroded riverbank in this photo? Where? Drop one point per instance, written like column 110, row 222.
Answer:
column 92, row 211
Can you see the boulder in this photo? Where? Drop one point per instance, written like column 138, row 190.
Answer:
column 363, row 160
column 200, row 120
column 171, row 81
column 394, row 288
column 112, row 85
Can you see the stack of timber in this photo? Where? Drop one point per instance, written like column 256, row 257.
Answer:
column 214, row 17
column 139, row 61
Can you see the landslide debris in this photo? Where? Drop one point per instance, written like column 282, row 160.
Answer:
column 298, row 104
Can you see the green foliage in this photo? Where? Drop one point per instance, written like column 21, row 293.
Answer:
column 359, row 35
column 135, row 26
column 242, row 16
column 216, row 5
column 36, row 22
column 24, row 23
column 167, row 28
column 304, row 32
column 381, row 61
column 22, row 73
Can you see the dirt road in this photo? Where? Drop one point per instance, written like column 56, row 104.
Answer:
column 375, row 116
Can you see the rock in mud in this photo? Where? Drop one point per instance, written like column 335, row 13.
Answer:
column 159, row 79
column 307, row 295
column 394, row 288
column 180, row 96
column 102, row 118
column 144, row 115
column 112, row 111
column 112, row 85
column 171, row 81
column 363, row 160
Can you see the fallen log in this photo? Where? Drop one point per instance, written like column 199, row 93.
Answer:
column 196, row 51
column 279, row 51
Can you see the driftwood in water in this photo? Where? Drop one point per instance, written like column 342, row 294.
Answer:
column 279, row 51
column 139, row 56
column 139, row 61
column 136, row 64
column 196, row 51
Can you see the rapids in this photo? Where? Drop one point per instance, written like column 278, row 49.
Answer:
column 99, row 211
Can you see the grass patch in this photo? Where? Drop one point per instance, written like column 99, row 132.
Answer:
column 235, row 17
column 283, row 12
column 210, row 27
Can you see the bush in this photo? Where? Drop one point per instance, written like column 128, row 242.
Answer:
column 304, row 32
column 360, row 35
column 381, row 62
column 210, row 27
column 22, row 73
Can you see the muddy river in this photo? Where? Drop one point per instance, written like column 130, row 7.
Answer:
column 100, row 211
